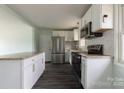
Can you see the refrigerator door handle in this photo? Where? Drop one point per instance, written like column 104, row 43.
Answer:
column 57, row 45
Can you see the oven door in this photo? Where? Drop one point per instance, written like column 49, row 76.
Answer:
column 76, row 63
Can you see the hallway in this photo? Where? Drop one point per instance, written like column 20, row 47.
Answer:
column 58, row 76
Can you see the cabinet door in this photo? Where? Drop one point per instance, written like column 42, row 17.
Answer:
column 80, row 25
column 82, row 22
column 35, row 69
column 43, row 61
column 102, row 17
column 107, row 10
column 58, row 33
column 66, row 36
column 76, row 34
column 54, row 33
column 38, row 66
column 28, row 80
column 88, row 15
column 96, row 8
column 69, row 35
column 99, row 70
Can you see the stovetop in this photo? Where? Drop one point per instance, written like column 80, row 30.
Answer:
column 95, row 49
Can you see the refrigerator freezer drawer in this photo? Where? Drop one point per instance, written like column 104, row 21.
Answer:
column 58, row 58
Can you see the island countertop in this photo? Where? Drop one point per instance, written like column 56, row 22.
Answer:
column 18, row 56
column 85, row 54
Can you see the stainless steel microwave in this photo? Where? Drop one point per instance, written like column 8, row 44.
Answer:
column 86, row 32
column 83, row 32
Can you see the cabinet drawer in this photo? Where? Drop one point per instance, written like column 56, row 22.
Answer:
column 28, row 61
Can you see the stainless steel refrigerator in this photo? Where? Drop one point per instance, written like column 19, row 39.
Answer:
column 58, row 49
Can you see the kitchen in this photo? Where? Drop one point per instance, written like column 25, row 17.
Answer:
column 84, row 48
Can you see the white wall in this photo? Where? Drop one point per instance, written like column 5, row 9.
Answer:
column 15, row 34
column 107, row 40
column 44, row 42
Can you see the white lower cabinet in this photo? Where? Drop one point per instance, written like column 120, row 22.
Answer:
column 33, row 70
column 96, row 72
column 28, row 79
column 22, row 72
column 43, row 61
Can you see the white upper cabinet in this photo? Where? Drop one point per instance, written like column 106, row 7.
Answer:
column 67, row 34
column 58, row 33
column 82, row 22
column 102, row 17
column 96, row 17
column 70, row 36
column 80, row 27
column 76, row 34
column 88, row 16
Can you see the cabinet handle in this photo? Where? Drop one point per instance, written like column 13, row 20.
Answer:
column 104, row 16
column 33, row 67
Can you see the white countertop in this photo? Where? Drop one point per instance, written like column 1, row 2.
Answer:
column 85, row 54
column 18, row 56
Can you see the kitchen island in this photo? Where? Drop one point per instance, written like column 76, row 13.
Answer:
column 21, row 70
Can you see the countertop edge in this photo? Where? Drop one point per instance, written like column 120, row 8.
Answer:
column 19, row 56
column 85, row 54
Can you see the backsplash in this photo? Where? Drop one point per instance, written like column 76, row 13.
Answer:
column 107, row 40
column 71, row 45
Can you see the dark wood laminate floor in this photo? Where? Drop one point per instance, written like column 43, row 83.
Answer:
column 58, row 76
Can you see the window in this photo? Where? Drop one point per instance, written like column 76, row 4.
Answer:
column 122, row 46
column 119, row 33
column 122, row 34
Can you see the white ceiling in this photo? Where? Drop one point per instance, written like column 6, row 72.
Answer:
column 54, row 16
